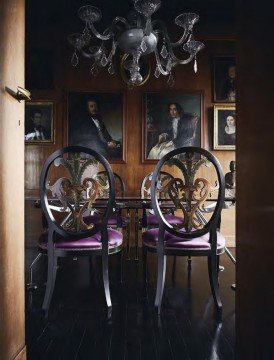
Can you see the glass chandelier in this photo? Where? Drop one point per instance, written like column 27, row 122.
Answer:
column 136, row 36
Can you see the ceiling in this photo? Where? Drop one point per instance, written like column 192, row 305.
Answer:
column 64, row 11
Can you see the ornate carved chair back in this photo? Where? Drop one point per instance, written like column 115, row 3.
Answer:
column 148, row 217
column 69, row 190
column 163, row 179
column 196, row 170
column 102, row 178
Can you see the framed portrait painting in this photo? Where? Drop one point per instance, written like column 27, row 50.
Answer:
column 170, row 121
column 39, row 122
column 224, row 73
column 96, row 120
column 224, row 127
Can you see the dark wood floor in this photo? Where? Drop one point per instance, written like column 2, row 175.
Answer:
column 79, row 326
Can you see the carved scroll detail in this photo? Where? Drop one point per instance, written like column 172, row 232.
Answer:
column 76, row 195
column 188, row 198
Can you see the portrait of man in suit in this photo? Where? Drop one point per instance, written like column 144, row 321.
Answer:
column 39, row 122
column 91, row 127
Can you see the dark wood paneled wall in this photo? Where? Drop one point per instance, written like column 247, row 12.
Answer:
column 68, row 78
column 78, row 79
column 255, row 179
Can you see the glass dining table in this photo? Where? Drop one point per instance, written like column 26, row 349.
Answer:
column 136, row 209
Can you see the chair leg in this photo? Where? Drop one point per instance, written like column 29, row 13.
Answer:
column 106, row 279
column 174, row 268
column 160, row 281
column 136, row 240
column 128, row 234
column 144, row 250
column 213, row 279
column 120, row 266
column 51, row 277
column 189, row 261
column 218, row 267
column 91, row 269
column 31, row 285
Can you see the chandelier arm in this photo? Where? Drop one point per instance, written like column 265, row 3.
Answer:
column 181, row 40
column 112, row 51
column 175, row 60
column 108, row 34
column 120, row 19
column 163, row 29
column 98, row 35
column 94, row 55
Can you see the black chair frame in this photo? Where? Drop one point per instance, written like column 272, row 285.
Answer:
column 126, row 227
column 211, row 227
column 55, row 229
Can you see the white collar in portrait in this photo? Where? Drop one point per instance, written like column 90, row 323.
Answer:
column 230, row 129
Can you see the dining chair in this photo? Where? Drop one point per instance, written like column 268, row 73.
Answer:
column 116, row 221
column 149, row 219
column 68, row 194
column 194, row 170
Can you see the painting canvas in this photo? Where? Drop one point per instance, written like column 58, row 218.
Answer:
column 39, row 122
column 95, row 120
column 224, row 73
column 170, row 121
column 224, row 127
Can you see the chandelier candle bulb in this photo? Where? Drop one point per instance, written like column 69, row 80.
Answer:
column 136, row 37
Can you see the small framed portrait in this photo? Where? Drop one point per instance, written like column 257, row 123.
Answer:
column 39, row 122
column 170, row 121
column 224, row 127
column 224, row 73
column 96, row 120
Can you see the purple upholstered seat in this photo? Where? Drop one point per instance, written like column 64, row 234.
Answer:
column 150, row 238
column 171, row 219
column 111, row 222
column 92, row 242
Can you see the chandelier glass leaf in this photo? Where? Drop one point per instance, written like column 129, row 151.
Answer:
column 136, row 37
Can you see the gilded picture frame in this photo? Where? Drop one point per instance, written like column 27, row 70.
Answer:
column 103, row 131
column 224, row 76
column 39, row 122
column 160, row 133
column 224, row 137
